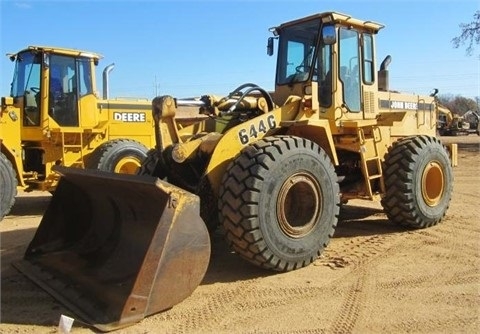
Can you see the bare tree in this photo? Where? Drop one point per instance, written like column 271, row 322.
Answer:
column 470, row 34
column 458, row 104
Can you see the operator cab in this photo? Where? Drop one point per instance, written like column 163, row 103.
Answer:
column 328, row 56
column 66, row 76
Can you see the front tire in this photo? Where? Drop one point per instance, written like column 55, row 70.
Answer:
column 418, row 182
column 122, row 156
column 8, row 186
column 279, row 202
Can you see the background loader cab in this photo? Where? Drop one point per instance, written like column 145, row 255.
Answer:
column 54, row 116
column 67, row 80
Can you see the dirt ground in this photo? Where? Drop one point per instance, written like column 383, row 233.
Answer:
column 374, row 277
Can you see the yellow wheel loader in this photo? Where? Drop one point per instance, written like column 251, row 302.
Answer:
column 270, row 168
column 54, row 116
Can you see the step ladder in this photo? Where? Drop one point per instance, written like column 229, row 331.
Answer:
column 77, row 146
column 371, row 161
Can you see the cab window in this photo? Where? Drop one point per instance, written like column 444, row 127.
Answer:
column 349, row 68
column 297, row 52
column 368, row 65
column 84, row 76
column 26, row 84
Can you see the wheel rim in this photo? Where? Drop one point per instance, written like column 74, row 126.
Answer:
column 299, row 205
column 128, row 165
column 433, row 183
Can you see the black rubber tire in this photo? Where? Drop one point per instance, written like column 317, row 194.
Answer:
column 299, row 175
column 418, row 182
column 8, row 186
column 118, row 156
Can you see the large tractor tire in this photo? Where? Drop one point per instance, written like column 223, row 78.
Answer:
column 418, row 182
column 122, row 156
column 279, row 203
column 8, row 186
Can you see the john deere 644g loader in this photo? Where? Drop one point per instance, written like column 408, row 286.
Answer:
column 271, row 168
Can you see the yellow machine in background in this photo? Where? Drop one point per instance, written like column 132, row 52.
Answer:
column 451, row 124
column 271, row 169
column 54, row 116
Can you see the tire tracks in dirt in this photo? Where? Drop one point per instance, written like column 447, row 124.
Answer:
column 360, row 255
column 245, row 300
column 366, row 254
column 360, row 252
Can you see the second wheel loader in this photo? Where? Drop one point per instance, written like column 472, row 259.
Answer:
column 272, row 169
column 54, row 116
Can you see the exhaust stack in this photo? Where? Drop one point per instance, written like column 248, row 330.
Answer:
column 106, row 80
column 383, row 77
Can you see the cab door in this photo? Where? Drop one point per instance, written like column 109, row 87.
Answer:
column 63, row 94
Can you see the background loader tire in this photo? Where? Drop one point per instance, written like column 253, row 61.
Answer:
column 8, row 186
column 123, row 156
column 279, row 202
column 418, row 182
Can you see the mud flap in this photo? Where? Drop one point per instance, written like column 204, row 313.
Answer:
column 115, row 248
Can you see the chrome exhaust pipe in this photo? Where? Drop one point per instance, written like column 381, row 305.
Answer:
column 106, row 73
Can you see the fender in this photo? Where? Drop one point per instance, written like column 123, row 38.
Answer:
column 10, row 124
column 232, row 142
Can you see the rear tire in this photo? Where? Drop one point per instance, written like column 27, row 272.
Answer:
column 418, row 182
column 122, row 156
column 8, row 186
column 279, row 202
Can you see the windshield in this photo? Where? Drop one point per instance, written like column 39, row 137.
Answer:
column 296, row 52
column 27, row 73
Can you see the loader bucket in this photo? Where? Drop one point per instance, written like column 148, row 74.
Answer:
column 115, row 248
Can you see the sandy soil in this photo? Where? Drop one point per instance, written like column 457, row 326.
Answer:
column 375, row 277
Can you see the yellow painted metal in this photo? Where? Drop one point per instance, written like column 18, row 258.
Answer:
column 128, row 165
column 66, row 51
column 433, row 183
column 10, row 125
column 99, row 121
column 231, row 143
column 453, row 148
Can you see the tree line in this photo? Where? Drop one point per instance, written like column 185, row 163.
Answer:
column 469, row 36
column 458, row 104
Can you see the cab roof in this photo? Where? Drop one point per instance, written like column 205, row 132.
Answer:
column 60, row 50
column 339, row 18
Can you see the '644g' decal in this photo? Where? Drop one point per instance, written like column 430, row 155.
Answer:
column 259, row 126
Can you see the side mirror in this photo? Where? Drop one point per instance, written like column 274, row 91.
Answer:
column 328, row 34
column 270, row 46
